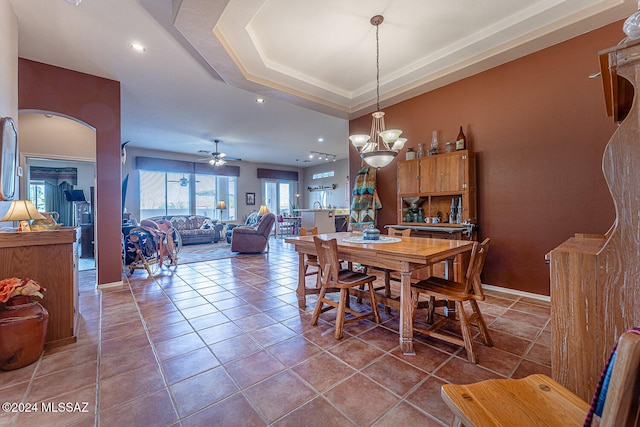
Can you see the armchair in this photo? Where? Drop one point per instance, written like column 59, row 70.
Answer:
column 253, row 239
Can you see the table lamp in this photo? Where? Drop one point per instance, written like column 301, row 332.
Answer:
column 263, row 210
column 222, row 206
column 23, row 211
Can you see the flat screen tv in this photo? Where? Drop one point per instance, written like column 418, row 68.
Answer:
column 75, row 195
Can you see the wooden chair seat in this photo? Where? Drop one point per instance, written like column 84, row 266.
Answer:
column 470, row 290
column 537, row 400
column 333, row 277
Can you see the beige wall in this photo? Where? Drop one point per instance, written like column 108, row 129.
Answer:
column 336, row 198
column 8, row 69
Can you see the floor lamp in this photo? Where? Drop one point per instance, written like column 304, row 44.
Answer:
column 221, row 206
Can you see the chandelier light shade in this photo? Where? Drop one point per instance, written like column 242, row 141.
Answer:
column 381, row 146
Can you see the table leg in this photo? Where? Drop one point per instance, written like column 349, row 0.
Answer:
column 300, row 291
column 406, row 317
column 450, row 309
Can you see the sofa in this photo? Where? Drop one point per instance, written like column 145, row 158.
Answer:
column 194, row 229
column 248, row 239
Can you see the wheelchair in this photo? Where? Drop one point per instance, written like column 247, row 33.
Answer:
column 150, row 246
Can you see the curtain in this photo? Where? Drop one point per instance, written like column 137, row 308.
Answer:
column 55, row 201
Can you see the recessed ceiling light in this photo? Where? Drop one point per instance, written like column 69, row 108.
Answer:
column 74, row 2
column 260, row 100
column 320, row 139
column 137, row 47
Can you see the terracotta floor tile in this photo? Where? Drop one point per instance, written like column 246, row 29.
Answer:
column 245, row 331
column 253, row 368
column 234, row 411
column 427, row 397
column 129, row 386
column 355, row 352
column 323, row 371
column 318, row 410
column 354, row 397
column 396, row 375
column 235, row 348
column 517, row 328
column 461, row 371
column 73, row 355
column 202, row 390
column 294, row 350
column 528, row 367
column 208, row 320
column 272, row 334
column 280, row 394
column 127, row 343
column 189, row 364
column 173, row 330
column 407, row 415
column 83, row 409
column 219, row 333
column 63, row 381
column 124, row 362
column 382, row 338
column 178, row 345
column 152, row 409
column 257, row 321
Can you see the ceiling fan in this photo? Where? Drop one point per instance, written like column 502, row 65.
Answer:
column 217, row 158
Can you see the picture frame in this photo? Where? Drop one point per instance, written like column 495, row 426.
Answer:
column 251, row 198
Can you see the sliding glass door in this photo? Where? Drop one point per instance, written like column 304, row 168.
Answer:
column 279, row 196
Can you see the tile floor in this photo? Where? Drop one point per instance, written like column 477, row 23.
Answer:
column 222, row 343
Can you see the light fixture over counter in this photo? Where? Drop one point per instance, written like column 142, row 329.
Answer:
column 322, row 156
column 381, row 146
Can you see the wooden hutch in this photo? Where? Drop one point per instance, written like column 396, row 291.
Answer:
column 595, row 279
column 430, row 184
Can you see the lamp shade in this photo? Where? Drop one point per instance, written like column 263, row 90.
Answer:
column 21, row 210
column 221, row 205
column 263, row 210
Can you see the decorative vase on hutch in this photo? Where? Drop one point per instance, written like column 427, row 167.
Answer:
column 23, row 328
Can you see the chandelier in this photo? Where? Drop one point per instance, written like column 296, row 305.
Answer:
column 381, row 146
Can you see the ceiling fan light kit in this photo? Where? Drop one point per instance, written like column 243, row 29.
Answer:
column 381, row 146
column 217, row 158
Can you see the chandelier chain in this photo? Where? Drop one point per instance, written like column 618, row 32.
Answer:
column 377, row 69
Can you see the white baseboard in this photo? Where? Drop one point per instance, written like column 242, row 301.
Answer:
column 516, row 292
column 110, row 285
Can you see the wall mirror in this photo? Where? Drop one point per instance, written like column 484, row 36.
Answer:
column 9, row 158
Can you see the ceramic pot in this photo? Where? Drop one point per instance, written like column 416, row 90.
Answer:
column 23, row 329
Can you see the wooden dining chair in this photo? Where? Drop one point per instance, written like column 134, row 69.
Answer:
column 311, row 260
column 470, row 289
column 334, row 277
column 537, row 400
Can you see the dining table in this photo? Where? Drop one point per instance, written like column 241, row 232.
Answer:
column 401, row 254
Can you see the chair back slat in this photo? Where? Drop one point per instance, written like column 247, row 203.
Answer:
column 622, row 405
column 328, row 259
column 308, row 231
column 473, row 284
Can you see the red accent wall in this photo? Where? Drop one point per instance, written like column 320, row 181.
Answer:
column 539, row 127
column 96, row 102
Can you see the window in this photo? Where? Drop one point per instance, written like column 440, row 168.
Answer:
column 36, row 194
column 167, row 193
column 279, row 196
column 210, row 189
column 327, row 174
